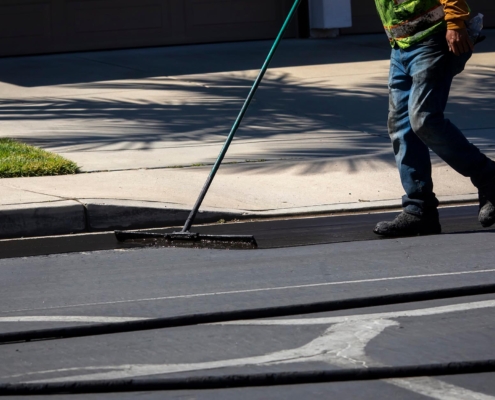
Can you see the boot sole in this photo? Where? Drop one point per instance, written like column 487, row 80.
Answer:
column 487, row 225
column 409, row 234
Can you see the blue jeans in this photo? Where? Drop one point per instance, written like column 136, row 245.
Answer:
column 419, row 86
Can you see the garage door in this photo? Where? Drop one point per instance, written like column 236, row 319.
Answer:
column 365, row 18
column 45, row 26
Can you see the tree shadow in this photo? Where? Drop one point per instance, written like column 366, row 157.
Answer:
column 319, row 118
column 112, row 65
column 199, row 113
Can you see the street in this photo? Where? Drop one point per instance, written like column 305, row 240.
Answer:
column 122, row 284
column 113, row 115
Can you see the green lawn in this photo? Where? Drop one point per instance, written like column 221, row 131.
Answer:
column 19, row 159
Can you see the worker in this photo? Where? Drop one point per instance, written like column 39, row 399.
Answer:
column 430, row 45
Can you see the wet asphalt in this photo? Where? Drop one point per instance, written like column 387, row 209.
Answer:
column 320, row 259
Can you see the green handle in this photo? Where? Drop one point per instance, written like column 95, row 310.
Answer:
column 239, row 119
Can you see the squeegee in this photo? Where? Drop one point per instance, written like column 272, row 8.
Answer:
column 185, row 238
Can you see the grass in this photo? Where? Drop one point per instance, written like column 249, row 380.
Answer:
column 20, row 160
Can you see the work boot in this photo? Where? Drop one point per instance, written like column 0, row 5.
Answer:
column 406, row 224
column 486, row 214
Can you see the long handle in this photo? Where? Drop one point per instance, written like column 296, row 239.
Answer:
column 238, row 121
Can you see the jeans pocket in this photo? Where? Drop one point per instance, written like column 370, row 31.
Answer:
column 458, row 63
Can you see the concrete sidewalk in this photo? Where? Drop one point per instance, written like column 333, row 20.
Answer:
column 145, row 126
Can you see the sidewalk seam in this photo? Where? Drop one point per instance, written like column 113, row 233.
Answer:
column 85, row 214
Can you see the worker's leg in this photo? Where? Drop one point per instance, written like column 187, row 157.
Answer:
column 430, row 66
column 432, row 69
column 411, row 154
column 420, row 214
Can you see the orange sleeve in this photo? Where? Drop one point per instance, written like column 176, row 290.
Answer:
column 456, row 12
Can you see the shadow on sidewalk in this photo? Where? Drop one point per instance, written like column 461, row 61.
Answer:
column 199, row 113
column 84, row 67
column 155, row 111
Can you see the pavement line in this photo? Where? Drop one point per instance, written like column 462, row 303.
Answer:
column 343, row 345
column 336, row 346
column 437, row 389
column 62, row 318
column 365, row 317
column 312, row 285
column 279, row 322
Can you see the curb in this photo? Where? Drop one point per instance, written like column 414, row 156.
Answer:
column 97, row 215
column 42, row 219
column 104, row 215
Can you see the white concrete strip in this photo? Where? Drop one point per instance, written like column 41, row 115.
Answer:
column 286, row 322
column 64, row 318
column 369, row 317
column 341, row 345
column 257, row 290
column 437, row 389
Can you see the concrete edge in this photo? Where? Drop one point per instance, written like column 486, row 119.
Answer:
column 360, row 207
column 129, row 214
column 42, row 219
column 97, row 215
